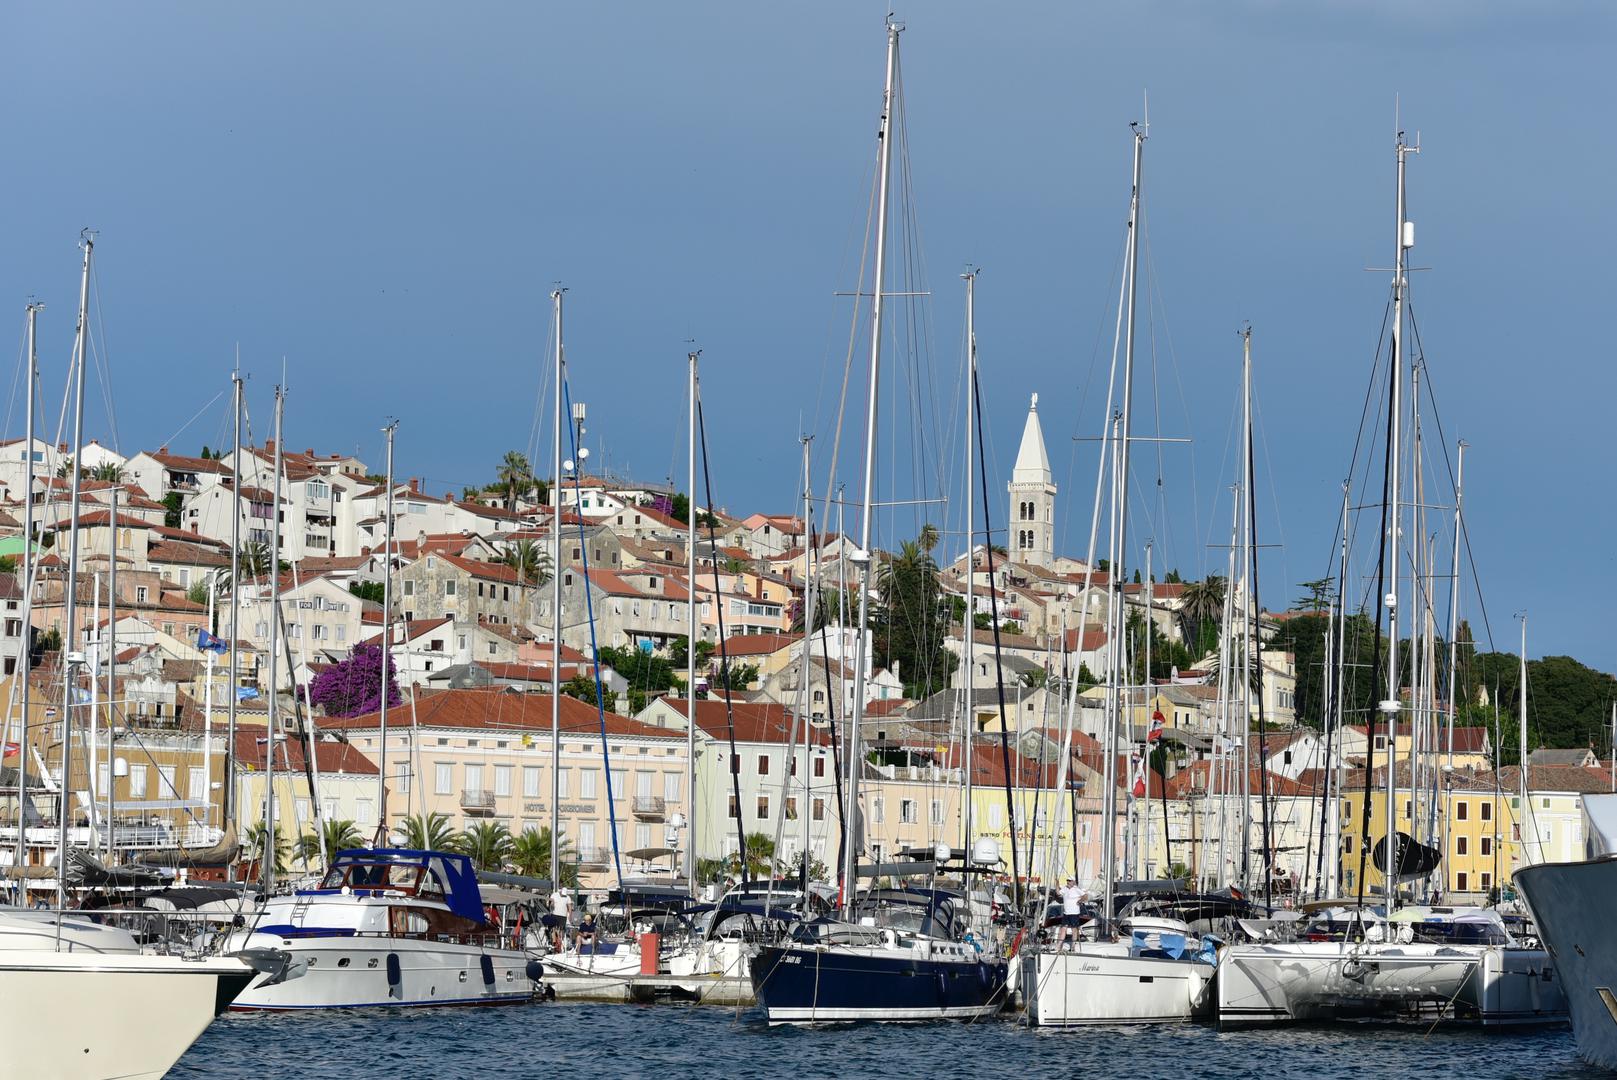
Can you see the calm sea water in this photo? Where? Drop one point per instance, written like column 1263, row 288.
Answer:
column 596, row 1042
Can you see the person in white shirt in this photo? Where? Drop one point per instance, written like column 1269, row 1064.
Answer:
column 1072, row 910
column 561, row 909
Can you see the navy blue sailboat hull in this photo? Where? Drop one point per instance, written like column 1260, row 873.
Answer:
column 797, row 984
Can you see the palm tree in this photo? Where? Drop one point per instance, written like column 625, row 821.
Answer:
column 516, row 474
column 109, row 471
column 430, row 833
column 64, row 470
column 256, row 842
column 760, row 855
column 341, row 835
column 530, row 854
column 1200, row 603
column 255, row 559
column 488, row 844
column 530, row 560
column 928, row 538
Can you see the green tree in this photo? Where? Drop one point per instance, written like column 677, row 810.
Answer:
column 530, row 560
column 515, row 475
column 173, row 509
column 912, row 619
column 642, row 669
column 759, row 854
column 341, row 835
column 198, row 592
column 1318, row 596
column 367, row 590
column 108, row 472
column 255, row 844
column 1201, row 606
column 488, row 844
column 741, row 676
column 429, row 833
column 254, row 560
column 582, row 687
column 530, row 854
column 8, row 564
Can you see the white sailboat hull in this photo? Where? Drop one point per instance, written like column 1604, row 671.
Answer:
column 1103, row 984
column 1515, row 987
column 1328, row 980
column 346, row 972
column 90, row 1016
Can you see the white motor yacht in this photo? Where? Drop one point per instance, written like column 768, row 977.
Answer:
column 386, row 927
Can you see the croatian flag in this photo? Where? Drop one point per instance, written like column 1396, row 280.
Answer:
column 208, row 643
column 11, row 748
column 1158, row 722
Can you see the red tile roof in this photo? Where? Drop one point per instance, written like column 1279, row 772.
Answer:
column 755, row 721
column 502, row 710
column 252, row 746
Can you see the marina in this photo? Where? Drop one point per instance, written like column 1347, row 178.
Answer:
column 896, row 754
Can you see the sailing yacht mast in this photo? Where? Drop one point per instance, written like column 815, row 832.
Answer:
column 387, row 640
column 1120, row 511
column 274, row 574
column 852, row 759
column 968, row 631
column 690, row 620
column 1521, row 748
column 1454, row 605
column 555, row 613
column 228, row 796
column 25, row 659
column 71, row 596
column 1389, row 707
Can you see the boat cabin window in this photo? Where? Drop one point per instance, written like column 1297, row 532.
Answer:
column 371, row 876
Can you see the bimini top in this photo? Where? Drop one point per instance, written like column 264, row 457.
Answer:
column 436, row 875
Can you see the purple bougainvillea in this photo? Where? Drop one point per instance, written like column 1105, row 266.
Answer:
column 353, row 687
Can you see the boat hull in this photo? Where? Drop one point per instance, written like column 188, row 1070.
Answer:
column 1515, row 987
column 1571, row 911
column 809, row 984
column 139, row 1014
column 1101, row 985
column 351, row 972
column 1334, row 980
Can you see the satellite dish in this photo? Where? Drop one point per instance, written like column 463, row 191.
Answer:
column 942, row 853
column 985, row 851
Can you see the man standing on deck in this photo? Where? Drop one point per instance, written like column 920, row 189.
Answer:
column 561, row 908
column 1072, row 910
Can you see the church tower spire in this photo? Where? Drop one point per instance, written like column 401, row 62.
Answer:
column 1033, row 497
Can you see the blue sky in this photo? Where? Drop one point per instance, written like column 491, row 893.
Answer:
column 384, row 195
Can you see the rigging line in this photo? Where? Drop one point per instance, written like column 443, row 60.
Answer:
column 589, row 608
column 724, row 651
column 1154, row 284
column 17, row 375
column 1389, row 462
column 1274, row 490
column 1083, row 391
column 174, row 438
column 1160, row 524
column 999, row 669
column 103, row 356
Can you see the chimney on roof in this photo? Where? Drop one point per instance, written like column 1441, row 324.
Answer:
column 415, row 483
column 163, row 449
column 310, row 451
column 269, row 446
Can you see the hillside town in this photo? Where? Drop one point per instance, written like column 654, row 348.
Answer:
column 471, row 644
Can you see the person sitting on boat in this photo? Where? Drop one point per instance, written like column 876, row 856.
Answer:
column 1072, row 909
column 585, row 932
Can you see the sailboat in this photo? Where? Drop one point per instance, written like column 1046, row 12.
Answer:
column 1153, row 972
column 82, row 998
column 1352, row 960
column 890, row 954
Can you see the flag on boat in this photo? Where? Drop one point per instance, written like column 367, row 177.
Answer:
column 1137, row 766
column 11, row 748
column 246, row 693
column 208, row 643
column 1158, row 723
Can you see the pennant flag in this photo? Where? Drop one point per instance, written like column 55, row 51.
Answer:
column 1158, row 722
column 12, row 748
column 1137, row 765
column 206, row 642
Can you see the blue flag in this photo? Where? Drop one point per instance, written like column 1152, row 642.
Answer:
column 246, row 693
column 208, row 643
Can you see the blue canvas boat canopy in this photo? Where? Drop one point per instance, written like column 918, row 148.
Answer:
column 454, row 873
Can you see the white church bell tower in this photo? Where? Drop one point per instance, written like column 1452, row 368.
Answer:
column 1033, row 497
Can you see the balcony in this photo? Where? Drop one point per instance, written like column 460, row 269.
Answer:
column 594, row 858
column 650, row 807
column 477, row 802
